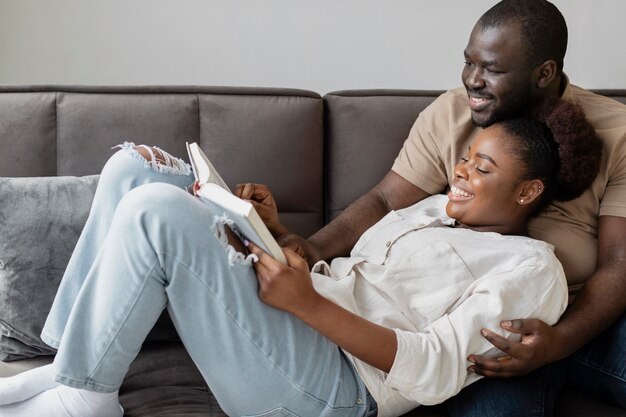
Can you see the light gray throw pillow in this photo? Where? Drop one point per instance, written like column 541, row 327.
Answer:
column 40, row 221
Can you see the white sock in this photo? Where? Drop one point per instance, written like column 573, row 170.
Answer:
column 27, row 384
column 64, row 401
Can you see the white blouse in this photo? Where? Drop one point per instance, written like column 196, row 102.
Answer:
column 436, row 286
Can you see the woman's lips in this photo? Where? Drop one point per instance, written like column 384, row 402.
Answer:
column 457, row 194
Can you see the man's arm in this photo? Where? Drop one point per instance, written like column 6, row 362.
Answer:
column 339, row 236
column 601, row 301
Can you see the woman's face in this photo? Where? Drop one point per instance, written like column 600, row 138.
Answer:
column 487, row 183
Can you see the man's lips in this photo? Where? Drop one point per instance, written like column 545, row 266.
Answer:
column 479, row 103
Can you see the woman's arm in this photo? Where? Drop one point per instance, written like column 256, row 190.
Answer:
column 290, row 288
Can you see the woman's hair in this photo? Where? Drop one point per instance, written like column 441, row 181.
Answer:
column 557, row 146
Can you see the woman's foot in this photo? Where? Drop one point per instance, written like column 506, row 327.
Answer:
column 23, row 386
column 65, row 401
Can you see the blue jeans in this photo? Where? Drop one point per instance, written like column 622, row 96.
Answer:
column 598, row 369
column 149, row 245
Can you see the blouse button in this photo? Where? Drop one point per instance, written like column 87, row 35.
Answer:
column 388, row 243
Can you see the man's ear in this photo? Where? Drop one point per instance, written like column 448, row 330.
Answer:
column 530, row 191
column 546, row 73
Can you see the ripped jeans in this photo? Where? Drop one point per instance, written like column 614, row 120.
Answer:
column 150, row 245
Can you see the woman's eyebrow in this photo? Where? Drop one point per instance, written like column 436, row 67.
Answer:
column 487, row 157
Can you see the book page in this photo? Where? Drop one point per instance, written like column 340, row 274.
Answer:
column 203, row 169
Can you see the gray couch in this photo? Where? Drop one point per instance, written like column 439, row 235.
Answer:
column 316, row 153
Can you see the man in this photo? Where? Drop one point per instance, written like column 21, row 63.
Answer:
column 514, row 62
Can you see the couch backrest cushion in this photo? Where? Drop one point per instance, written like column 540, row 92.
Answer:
column 365, row 130
column 271, row 136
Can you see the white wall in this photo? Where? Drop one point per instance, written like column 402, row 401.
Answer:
column 321, row 45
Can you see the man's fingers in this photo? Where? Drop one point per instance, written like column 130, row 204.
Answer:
column 522, row 326
column 491, row 374
column 503, row 367
column 502, row 343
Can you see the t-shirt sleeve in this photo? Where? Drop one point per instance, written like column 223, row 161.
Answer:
column 613, row 201
column 431, row 366
column 421, row 159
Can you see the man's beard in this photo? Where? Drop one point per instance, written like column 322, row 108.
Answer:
column 521, row 107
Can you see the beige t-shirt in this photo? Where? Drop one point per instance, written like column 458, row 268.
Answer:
column 443, row 131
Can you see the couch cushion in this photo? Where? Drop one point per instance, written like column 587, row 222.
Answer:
column 163, row 381
column 273, row 140
column 365, row 130
column 89, row 124
column 27, row 134
column 41, row 219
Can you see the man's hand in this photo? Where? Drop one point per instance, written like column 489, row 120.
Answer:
column 533, row 351
column 301, row 246
column 263, row 201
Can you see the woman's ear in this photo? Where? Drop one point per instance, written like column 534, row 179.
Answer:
column 530, row 191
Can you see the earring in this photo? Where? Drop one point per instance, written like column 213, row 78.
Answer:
column 521, row 201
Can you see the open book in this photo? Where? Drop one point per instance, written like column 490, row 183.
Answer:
column 214, row 190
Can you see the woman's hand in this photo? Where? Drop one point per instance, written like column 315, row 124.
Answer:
column 263, row 201
column 286, row 287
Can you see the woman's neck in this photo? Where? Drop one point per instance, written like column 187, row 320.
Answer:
column 517, row 229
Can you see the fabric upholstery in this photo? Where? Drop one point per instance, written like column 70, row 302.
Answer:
column 90, row 124
column 28, row 134
column 364, row 133
column 40, row 224
column 269, row 140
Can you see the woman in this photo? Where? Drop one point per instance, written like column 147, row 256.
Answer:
column 377, row 333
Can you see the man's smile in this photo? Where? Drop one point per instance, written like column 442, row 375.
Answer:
column 479, row 103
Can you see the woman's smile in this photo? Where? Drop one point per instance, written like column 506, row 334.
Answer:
column 458, row 194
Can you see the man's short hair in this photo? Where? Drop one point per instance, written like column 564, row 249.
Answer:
column 543, row 28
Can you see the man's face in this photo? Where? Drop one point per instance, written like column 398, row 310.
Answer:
column 496, row 74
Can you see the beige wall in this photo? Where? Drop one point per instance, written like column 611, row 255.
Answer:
column 322, row 45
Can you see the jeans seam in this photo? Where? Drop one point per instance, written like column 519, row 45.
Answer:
column 542, row 393
column 127, row 315
column 596, row 368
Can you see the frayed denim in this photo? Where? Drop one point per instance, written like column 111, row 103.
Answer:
column 149, row 245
